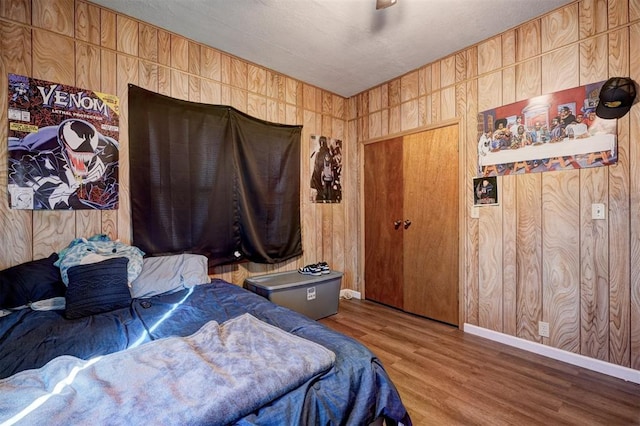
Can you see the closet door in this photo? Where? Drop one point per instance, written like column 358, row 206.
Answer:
column 383, row 203
column 430, row 242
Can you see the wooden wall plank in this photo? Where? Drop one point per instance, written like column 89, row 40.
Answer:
column 195, row 60
column 489, row 91
column 54, row 15
column 179, row 85
column 594, row 266
column 127, row 72
column 593, row 64
column 447, row 109
column 53, row 65
column 127, row 35
column 528, row 40
column 87, row 66
column 559, row 28
column 424, row 82
column 470, row 167
column 257, row 106
column 448, row 71
column 107, row 29
column 593, row 17
column 179, row 53
column 394, row 92
column 53, row 230
column 210, row 68
column 16, row 10
column 529, row 256
column 164, row 47
column 618, row 13
column 88, row 23
column 194, row 88
column 16, row 48
column 409, row 115
column 634, row 11
column 528, row 79
column 108, row 84
column 409, row 86
column 621, row 332
column 560, row 69
column 561, row 259
column 634, row 205
column 490, row 278
column 148, row 75
column 148, row 42
column 239, row 74
column 490, row 55
column 508, row 198
column 257, row 80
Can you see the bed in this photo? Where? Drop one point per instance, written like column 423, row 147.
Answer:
column 175, row 351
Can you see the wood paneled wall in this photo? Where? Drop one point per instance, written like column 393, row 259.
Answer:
column 538, row 256
column 78, row 43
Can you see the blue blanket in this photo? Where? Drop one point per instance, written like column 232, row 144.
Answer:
column 215, row 376
column 355, row 391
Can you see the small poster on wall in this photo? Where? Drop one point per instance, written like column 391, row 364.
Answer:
column 485, row 191
column 63, row 146
column 558, row 131
column 326, row 169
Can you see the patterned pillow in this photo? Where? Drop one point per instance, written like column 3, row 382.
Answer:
column 97, row 287
column 82, row 251
column 29, row 282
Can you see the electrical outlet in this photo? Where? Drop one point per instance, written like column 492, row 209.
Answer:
column 543, row 329
column 597, row 211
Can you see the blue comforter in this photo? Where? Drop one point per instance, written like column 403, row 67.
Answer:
column 355, row 391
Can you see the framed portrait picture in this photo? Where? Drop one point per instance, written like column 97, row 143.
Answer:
column 485, row 191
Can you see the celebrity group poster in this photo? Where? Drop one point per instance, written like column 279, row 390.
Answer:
column 326, row 169
column 63, row 146
column 558, row 131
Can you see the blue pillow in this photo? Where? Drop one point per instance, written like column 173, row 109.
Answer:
column 97, row 287
column 30, row 282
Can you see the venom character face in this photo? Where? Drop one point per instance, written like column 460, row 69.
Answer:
column 79, row 142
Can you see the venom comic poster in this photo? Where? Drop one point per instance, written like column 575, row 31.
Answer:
column 63, row 146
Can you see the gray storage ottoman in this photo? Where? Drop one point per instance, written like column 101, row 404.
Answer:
column 314, row 296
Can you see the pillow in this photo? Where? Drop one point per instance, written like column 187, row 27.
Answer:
column 168, row 274
column 97, row 287
column 195, row 270
column 30, row 282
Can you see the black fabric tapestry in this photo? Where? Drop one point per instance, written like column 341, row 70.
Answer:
column 211, row 180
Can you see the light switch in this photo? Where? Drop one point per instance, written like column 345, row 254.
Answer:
column 597, row 211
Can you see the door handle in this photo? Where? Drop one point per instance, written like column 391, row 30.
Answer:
column 397, row 224
column 407, row 224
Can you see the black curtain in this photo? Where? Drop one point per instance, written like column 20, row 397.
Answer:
column 212, row 180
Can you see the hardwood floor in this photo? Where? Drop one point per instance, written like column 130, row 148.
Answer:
column 447, row 377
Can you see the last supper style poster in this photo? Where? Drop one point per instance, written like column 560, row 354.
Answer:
column 558, row 131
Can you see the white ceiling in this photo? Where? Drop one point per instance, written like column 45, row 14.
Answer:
column 343, row 46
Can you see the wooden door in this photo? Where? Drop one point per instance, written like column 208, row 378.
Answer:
column 431, row 241
column 383, row 196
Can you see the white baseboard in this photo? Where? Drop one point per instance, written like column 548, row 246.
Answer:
column 593, row 364
column 349, row 294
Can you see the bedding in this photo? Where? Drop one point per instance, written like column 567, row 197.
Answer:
column 355, row 390
column 248, row 363
column 29, row 282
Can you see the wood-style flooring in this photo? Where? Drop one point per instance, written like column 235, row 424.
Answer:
column 447, row 377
